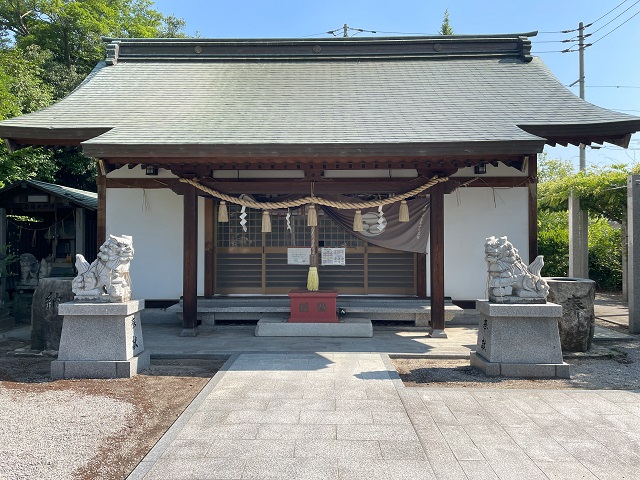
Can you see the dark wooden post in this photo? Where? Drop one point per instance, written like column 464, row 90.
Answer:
column 209, row 246
column 101, row 234
column 436, row 247
column 533, row 207
column 190, row 261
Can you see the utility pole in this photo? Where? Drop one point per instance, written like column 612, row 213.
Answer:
column 345, row 30
column 633, row 219
column 578, row 219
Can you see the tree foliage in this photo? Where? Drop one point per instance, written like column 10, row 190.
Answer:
column 46, row 48
column 72, row 29
column 446, row 28
column 603, row 193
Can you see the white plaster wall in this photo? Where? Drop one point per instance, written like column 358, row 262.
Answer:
column 156, row 269
column 471, row 215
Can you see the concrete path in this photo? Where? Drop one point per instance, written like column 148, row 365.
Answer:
column 610, row 307
column 348, row 416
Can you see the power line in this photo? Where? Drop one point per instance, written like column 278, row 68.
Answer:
column 607, row 34
column 611, row 86
column 614, row 18
column 589, row 24
column 614, row 8
column 402, row 33
column 555, row 51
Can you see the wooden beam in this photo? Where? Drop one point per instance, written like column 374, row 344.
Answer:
column 486, row 181
column 209, row 246
column 146, row 183
column 190, row 260
column 436, row 250
column 256, row 161
column 533, row 208
column 303, row 187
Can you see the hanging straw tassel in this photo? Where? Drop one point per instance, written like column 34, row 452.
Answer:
column 313, row 281
column 223, row 214
column 312, row 216
column 357, row 221
column 266, row 221
column 403, row 215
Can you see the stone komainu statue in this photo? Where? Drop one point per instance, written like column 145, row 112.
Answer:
column 107, row 278
column 29, row 268
column 510, row 280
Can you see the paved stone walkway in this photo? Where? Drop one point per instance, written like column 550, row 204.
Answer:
column 348, row 416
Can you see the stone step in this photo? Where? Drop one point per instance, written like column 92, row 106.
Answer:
column 277, row 326
column 414, row 310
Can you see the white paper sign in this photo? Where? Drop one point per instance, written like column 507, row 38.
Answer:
column 333, row 256
column 298, row 256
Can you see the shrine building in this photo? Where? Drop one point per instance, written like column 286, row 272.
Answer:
column 215, row 155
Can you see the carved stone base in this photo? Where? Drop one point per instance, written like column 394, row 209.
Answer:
column 100, row 340
column 519, row 341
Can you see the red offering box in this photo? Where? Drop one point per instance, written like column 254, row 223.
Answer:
column 313, row 307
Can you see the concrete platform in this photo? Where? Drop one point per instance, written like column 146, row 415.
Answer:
column 416, row 310
column 279, row 327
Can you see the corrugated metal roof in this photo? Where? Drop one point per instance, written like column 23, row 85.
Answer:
column 210, row 106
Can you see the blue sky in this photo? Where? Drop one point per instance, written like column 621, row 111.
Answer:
column 611, row 65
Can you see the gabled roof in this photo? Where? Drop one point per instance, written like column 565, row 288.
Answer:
column 421, row 96
column 77, row 197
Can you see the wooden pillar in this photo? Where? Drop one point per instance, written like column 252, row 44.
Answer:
column 209, row 246
column 421, row 273
column 436, row 248
column 190, row 261
column 533, row 207
column 80, row 232
column 101, row 182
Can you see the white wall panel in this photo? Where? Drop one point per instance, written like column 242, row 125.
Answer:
column 156, row 226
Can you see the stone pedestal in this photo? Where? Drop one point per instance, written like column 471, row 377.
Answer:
column 578, row 322
column 7, row 322
column 46, row 322
column 100, row 340
column 519, row 340
column 313, row 307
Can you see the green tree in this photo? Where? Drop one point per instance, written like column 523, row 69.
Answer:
column 445, row 28
column 602, row 192
column 72, row 29
column 22, row 86
column 46, row 48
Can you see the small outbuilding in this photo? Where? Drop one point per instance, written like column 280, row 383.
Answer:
column 43, row 221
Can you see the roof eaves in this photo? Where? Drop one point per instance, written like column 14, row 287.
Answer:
column 463, row 148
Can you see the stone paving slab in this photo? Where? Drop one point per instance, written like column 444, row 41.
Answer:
column 400, row 433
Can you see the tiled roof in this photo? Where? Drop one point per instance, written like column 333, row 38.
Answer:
column 79, row 197
column 225, row 103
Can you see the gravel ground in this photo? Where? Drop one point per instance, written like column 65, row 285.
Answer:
column 608, row 365
column 69, row 427
column 87, row 429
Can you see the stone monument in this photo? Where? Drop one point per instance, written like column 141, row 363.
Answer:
column 46, row 321
column 518, row 330
column 578, row 322
column 101, row 333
